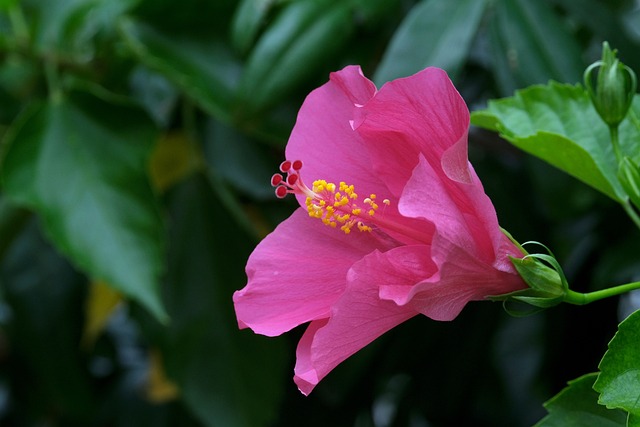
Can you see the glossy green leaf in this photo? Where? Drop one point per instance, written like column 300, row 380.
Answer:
column 227, row 377
column 531, row 44
column 435, row 33
column 558, row 124
column 199, row 64
column 81, row 164
column 577, row 406
column 302, row 38
column 619, row 379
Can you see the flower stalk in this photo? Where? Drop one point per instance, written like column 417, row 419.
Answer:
column 578, row 298
column 548, row 285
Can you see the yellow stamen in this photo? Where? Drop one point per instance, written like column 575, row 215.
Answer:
column 333, row 205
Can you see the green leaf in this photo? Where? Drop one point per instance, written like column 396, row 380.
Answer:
column 305, row 36
column 576, row 406
column 155, row 93
column 434, row 33
column 81, row 163
column 619, row 379
column 531, row 45
column 200, row 64
column 248, row 19
column 239, row 160
column 69, row 26
column 227, row 377
column 558, row 124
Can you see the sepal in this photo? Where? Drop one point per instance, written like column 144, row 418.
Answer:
column 547, row 284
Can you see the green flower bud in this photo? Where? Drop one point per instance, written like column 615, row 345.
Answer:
column 547, row 284
column 616, row 86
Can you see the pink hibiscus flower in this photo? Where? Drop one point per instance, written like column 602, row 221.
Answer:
column 393, row 222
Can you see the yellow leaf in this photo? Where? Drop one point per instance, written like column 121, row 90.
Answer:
column 174, row 158
column 160, row 389
column 99, row 306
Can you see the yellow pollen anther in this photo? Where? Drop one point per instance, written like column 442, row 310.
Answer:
column 333, row 205
column 363, row 227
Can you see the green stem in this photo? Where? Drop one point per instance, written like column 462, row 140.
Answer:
column 631, row 212
column 613, row 132
column 579, row 298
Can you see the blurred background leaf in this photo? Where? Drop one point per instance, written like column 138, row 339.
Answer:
column 426, row 37
column 89, row 183
column 301, row 38
column 531, row 44
column 212, row 363
column 199, row 64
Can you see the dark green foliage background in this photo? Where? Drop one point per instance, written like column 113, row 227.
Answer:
column 89, row 87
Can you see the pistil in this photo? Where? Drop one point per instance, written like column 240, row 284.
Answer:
column 337, row 205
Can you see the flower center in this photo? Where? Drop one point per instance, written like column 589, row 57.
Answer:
column 335, row 205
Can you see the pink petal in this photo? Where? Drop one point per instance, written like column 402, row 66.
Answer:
column 462, row 212
column 325, row 141
column 461, row 278
column 469, row 248
column 297, row 272
column 424, row 114
column 360, row 316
